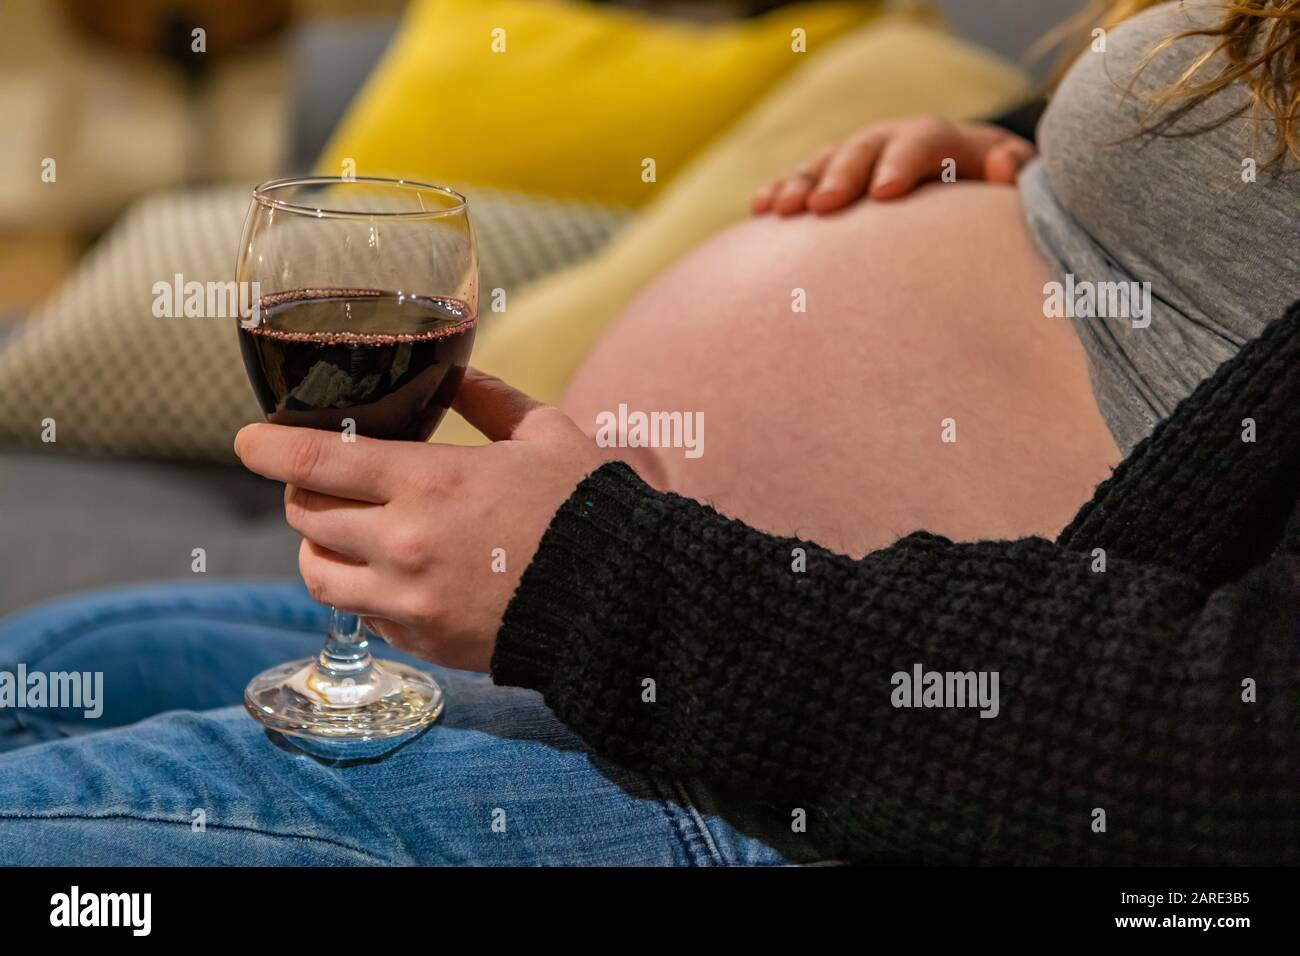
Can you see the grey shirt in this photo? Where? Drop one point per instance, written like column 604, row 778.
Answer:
column 1173, row 206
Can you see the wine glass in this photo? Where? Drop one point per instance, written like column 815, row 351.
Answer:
column 365, row 296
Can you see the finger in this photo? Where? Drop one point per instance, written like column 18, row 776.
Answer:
column 792, row 197
column 339, row 524
column 764, row 195
column 321, row 461
column 909, row 157
column 496, row 409
column 1004, row 161
column 846, row 175
column 334, row 580
column 394, row 634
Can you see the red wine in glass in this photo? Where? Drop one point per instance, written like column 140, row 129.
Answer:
column 392, row 374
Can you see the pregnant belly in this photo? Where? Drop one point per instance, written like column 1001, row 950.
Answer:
column 865, row 375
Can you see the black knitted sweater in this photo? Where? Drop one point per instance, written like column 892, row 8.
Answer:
column 1162, row 692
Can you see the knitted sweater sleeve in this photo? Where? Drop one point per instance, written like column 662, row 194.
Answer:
column 670, row 637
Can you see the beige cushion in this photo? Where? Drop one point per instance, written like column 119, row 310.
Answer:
column 896, row 66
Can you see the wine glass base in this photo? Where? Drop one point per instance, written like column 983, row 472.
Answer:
column 289, row 698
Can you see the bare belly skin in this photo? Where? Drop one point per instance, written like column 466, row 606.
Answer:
column 829, row 424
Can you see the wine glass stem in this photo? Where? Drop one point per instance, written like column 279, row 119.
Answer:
column 346, row 652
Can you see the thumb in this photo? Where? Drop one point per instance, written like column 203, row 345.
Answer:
column 493, row 407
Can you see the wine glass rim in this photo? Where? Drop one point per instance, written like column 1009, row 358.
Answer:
column 260, row 194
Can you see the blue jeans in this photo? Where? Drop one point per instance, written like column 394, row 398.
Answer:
column 174, row 772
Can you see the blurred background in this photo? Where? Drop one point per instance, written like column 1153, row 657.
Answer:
column 133, row 131
column 114, row 87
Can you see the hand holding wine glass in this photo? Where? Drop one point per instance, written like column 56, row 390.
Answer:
column 404, row 534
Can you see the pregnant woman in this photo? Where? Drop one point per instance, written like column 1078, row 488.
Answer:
column 737, row 653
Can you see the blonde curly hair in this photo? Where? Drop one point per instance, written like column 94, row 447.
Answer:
column 1257, row 45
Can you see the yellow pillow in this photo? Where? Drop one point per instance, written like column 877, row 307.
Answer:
column 576, row 99
column 896, row 66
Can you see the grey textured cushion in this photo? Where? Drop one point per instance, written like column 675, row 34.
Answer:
column 116, row 380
